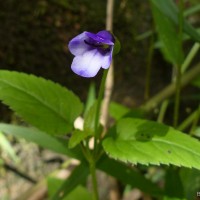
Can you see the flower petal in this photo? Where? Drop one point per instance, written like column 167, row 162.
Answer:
column 103, row 37
column 88, row 64
column 77, row 45
column 106, row 34
column 106, row 60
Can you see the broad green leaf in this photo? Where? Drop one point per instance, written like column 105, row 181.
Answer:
column 44, row 104
column 36, row 136
column 78, row 176
column 6, row 147
column 171, row 42
column 191, row 182
column 146, row 142
column 173, row 183
column 169, row 9
column 129, row 175
column 77, row 137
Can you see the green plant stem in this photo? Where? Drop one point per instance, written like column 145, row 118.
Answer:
column 190, row 57
column 92, row 160
column 188, row 120
column 162, row 111
column 86, row 151
column 170, row 89
column 98, row 109
column 94, row 179
column 100, row 97
column 195, row 121
column 192, row 10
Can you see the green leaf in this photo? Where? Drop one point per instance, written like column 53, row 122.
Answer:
column 169, row 9
column 78, row 193
column 141, row 141
column 191, row 182
column 128, row 175
column 173, row 183
column 44, row 104
column 169, row 37
column 36, row 136
column 78, row 176
column 77, row 137
column 53, row 184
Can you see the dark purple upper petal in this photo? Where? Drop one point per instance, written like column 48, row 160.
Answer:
column 102, row 37
column 106, row 34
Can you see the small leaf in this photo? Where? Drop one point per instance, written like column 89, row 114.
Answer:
column 191, row 182
column 173, row 183
column 141, row 141
column 78, row 176
column 77, row 137
column 44, row 104
column 89, row 120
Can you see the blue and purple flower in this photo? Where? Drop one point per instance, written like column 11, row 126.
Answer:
column 91, row 51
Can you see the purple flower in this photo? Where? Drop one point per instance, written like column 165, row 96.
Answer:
column 91, row 51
